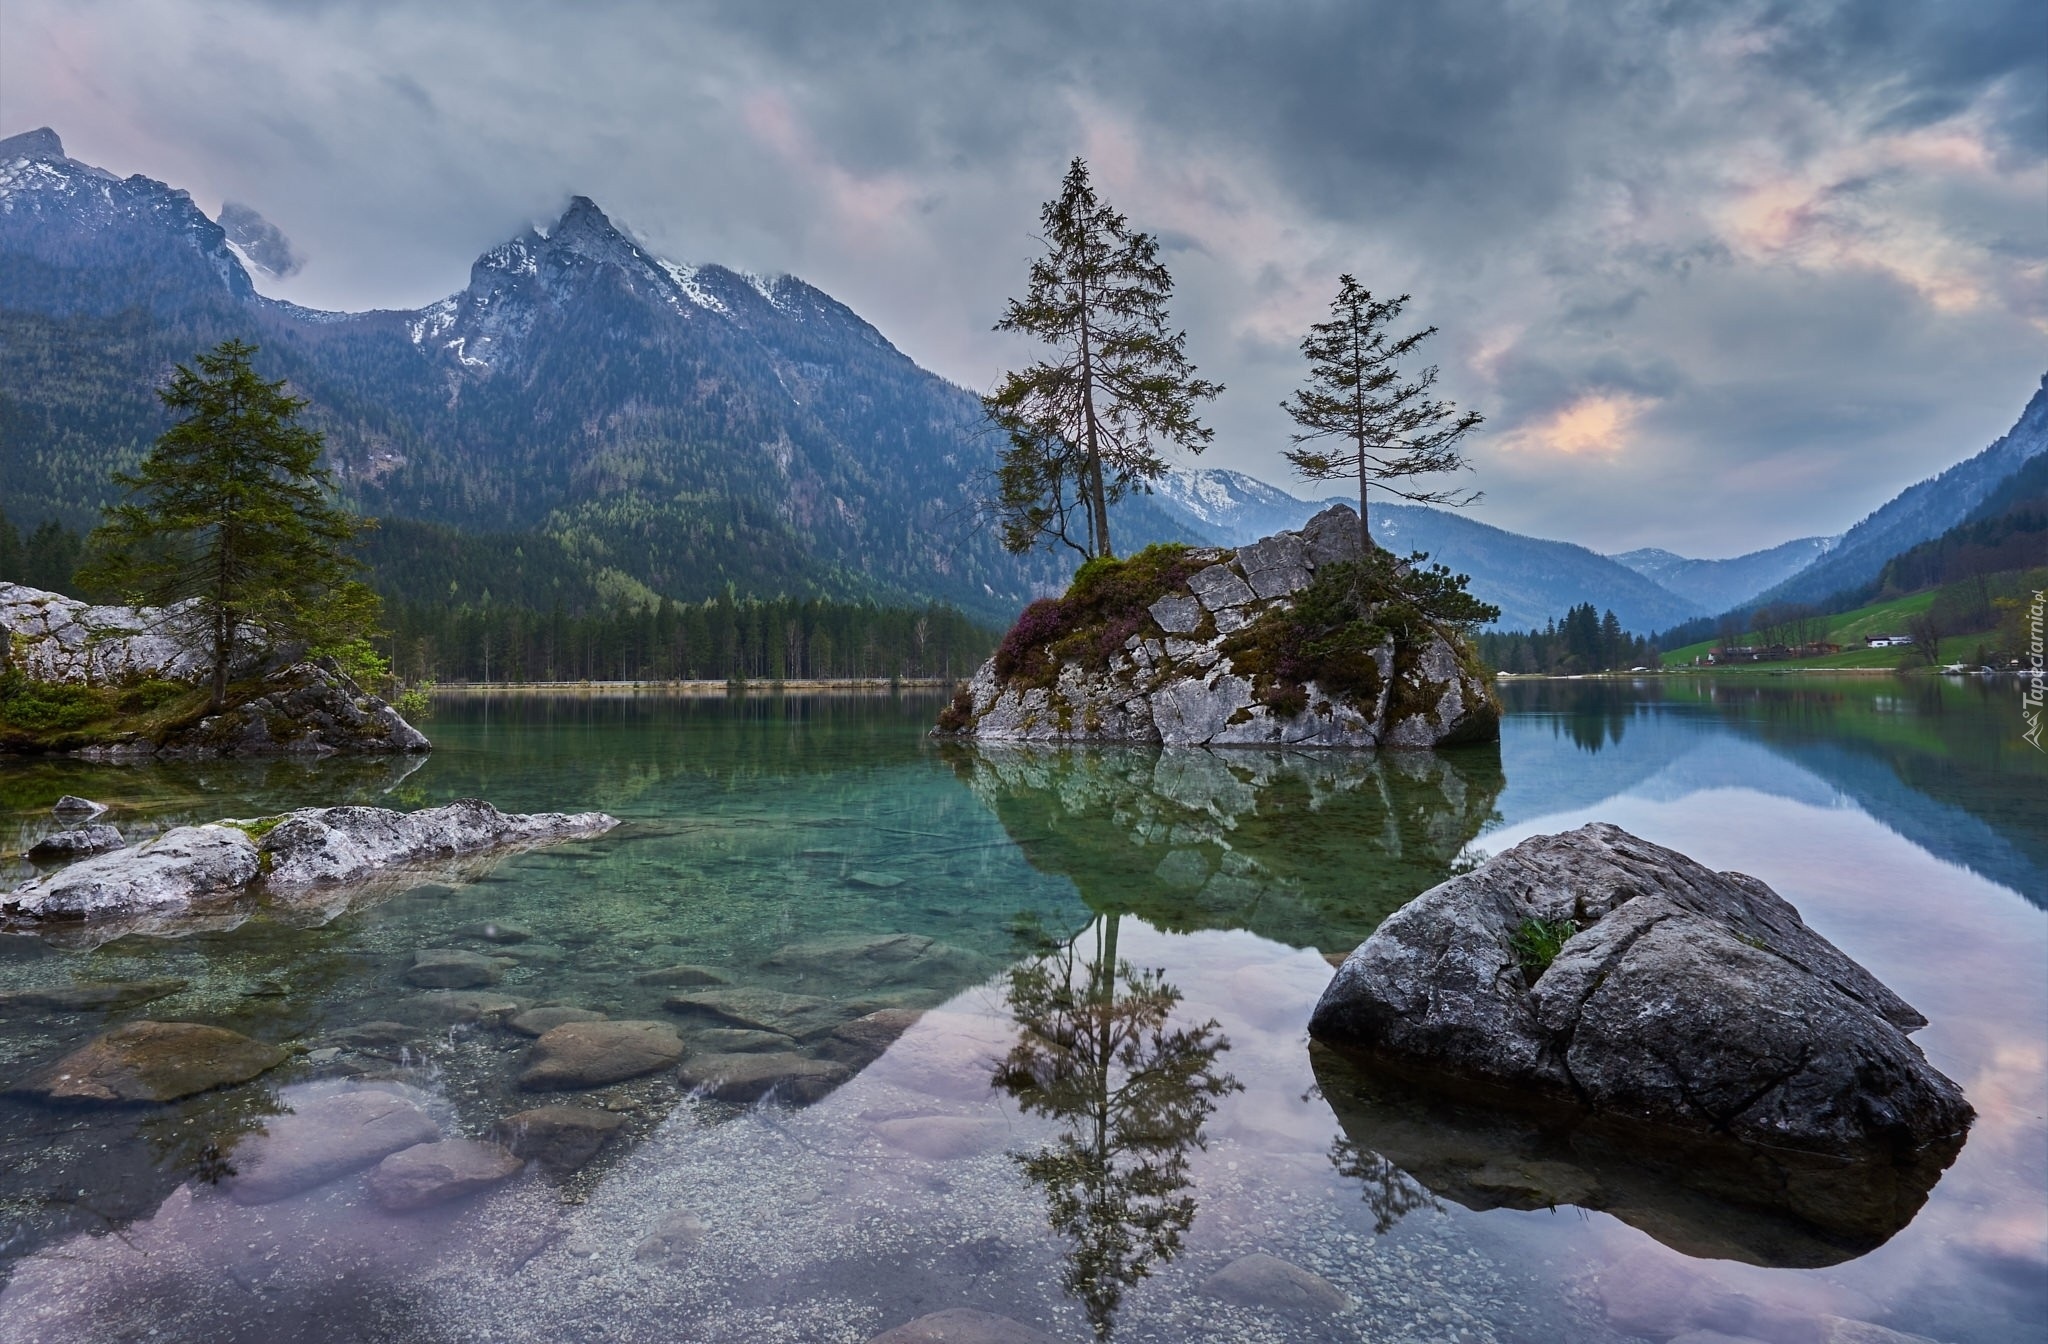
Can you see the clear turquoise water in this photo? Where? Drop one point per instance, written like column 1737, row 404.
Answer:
column 1093, row 1197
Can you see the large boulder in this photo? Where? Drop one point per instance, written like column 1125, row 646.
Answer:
column 1181, row 657
column 1681, row 998
column 592, row 1054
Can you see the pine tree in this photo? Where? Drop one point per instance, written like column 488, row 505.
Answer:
column 1085, row 426
column 1391, row 428
column 229, row 509
column 10, row 551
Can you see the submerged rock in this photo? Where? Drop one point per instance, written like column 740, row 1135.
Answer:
column 77, row 843
column 452, row 968
column 681, row 977
column 796, row 1079
column 541, row 1021
column 434, row 1173
column 298, row 853
column 1683, row 998
column 150, row 1061
column 797, row 1015
column 1261, row 1280
column 1179, row 669
column 962, row 1325
column 105, row 996
column 72, row 807
column 323, row 1140
column 671, row 1239
column 942, row 1138
column 561, row 1138
column 591, row 1054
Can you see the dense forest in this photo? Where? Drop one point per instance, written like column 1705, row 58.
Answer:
column 552, row 625
column 1584, row 641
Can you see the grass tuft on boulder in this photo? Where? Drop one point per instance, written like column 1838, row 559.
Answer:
column 1102, row 608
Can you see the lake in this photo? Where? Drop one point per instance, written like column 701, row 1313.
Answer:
column 1034, row 1024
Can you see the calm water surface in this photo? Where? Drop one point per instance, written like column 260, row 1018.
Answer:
column 1089, row 1088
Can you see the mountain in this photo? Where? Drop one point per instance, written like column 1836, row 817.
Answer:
column 1720, row 585
column 655, row 426
column 1920, row 512
column 2007, row 531
column 1532, row 581
column 1233, row 507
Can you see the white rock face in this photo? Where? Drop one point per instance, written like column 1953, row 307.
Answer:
column 174, row 871
column 191, row 867
column 58, row 638
column 1177, row 687
column 320, row 845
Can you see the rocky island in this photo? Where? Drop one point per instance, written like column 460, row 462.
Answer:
column 1301, row 639
column 115, row 682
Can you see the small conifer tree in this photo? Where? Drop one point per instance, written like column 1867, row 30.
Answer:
column 1390, row 428
column 1085, row 426
column 229, row 509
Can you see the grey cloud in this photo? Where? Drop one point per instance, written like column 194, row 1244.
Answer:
column 1551, row 180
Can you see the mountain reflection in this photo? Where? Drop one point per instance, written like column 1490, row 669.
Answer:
column 1097, row 1050
column 1313, row 849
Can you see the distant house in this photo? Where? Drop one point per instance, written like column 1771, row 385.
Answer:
column 1888, row 641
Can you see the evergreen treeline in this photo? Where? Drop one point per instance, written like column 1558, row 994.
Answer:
column 584, row 633
column 1584, row 641
column 724, row 639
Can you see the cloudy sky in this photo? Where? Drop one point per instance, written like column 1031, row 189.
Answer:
column 1716, row 275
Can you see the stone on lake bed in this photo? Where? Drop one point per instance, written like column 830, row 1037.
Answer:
column 322, row 1140
column 77, row 843
column 799, row 1015
column 794, row 1078
column 942, row 1138
column 739, row 1040
column 962, row 1325
column 591, row 1054
column 866, row 1037
column 1261, row 1280
column 150, row 1061
column 541, row 1021
column 672, row 1237
column 451, row 1007
column 491, row 931
column 561, row 1138
column 874, row 881
column 434, row 1173
column 112, row 994
column 452, row 968
column 681, row 977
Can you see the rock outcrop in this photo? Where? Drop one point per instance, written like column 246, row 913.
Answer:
column 288, row 857
column 1679, row 998
column 281, row 705
column 1187, row 664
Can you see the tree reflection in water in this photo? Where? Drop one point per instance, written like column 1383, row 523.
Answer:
column 1097, row 1050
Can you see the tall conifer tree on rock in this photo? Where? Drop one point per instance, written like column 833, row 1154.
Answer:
column 230, row 509
column 1085, row 426
column 1391, row 429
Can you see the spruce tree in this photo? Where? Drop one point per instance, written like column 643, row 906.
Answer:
column 229, row 509
column 1085, row 426
column 1391, row 429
